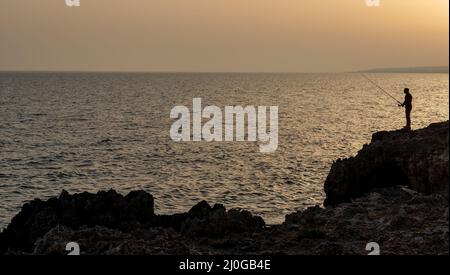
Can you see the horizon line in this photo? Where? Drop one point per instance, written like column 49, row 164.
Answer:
column 372, row 70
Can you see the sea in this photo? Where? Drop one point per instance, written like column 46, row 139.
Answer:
column 99, row 131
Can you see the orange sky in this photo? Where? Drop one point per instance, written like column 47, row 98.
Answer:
column 222, row 35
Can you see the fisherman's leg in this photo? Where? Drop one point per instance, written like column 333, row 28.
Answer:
column 408, row 118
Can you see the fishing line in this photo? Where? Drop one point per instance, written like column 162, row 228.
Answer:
column 379, row 87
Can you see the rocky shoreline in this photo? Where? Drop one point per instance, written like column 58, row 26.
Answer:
column 394, row 193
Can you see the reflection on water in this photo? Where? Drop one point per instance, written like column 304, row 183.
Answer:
column 85, row 132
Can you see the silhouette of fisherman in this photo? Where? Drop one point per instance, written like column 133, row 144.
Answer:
column 408, row 107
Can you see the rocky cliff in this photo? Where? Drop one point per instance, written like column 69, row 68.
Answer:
column 394, row 193
column 417, row 159
column 125, row 214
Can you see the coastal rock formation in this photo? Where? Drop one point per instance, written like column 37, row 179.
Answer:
column 111, row 210
column 417, row 159
column 203, row 220
column 108, row 209
column 401, row 221
column 394, row 193
column 106, row 241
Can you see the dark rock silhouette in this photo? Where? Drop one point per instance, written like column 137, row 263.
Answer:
column 417, row 159
column 372, row 195
column 400, row 220
column 108, row 209
column 106, row 241
column 122, row 213
column 206, row 221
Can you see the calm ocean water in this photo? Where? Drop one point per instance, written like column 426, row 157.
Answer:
column 86, row 132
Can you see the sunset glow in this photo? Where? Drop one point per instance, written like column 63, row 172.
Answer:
column 222, row 35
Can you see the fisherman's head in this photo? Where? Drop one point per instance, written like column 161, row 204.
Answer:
column 406, row 91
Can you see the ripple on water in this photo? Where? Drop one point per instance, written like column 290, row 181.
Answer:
column 103, row 131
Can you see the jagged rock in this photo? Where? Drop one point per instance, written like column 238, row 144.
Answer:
column 204, row 220
column 207, row 221
column 401, row 219
column 104, row 241
column 417, row 159
column 108, row 209
column 200, row 210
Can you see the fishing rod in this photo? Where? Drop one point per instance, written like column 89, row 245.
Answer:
column 379, row 87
